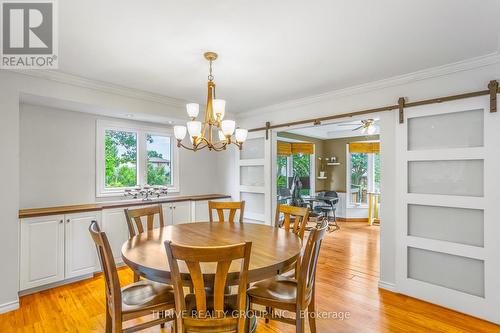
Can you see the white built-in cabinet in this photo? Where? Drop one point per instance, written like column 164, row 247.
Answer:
column 177, row 212
column 55, row 248
column 114, row 224
column 80, row 253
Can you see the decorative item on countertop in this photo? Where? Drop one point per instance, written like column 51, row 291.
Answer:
column 332, row 161
column 321, row 168
column 146, row 192
column 321, row 164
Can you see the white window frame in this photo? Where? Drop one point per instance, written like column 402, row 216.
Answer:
column 371, row 178
column 141, row 132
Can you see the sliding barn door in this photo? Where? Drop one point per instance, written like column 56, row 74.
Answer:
column 254, row 177
column 448, row 217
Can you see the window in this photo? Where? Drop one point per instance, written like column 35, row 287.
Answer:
column 128, row 155
column 359, row 178
column 291, row 165
column 363, row 176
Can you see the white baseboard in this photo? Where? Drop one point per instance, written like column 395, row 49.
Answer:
column 387, row 286
column 55, row 284
column 11, row 306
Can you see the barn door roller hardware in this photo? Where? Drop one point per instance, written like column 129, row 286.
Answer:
column 401, row 106
column 493, row 86
column 492, row 91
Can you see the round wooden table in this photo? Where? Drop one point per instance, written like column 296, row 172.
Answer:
column 273, row 249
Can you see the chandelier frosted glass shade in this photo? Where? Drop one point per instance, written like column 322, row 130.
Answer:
column 227, row 127
column 193, row 109
column 180, row 132
column 219, row 106
column 194, row 128
column 241, row 135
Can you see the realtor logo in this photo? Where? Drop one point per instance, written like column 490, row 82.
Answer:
column 29, row 39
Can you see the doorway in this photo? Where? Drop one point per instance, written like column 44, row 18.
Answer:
column 340, row 159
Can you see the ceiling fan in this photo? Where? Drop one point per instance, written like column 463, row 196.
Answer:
column 366, row 126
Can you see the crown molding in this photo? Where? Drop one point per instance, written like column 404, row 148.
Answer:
column 101, row 86
column 425, row 74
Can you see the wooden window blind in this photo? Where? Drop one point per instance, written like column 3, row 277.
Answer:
column 289, row 148
column 284, row 148
column 364, row 147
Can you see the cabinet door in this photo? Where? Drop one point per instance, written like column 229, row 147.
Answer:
column 114, row 224
column 201, row 211
column 81, row 254
column 167, row 214
column 42, row 251
column 181, row 212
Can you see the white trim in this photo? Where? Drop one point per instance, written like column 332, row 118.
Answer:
column 141, row 131
column 265, row 190
column 59, row 283
column 10, row 306
column 387, row 286
column 102, row 86
column 433, row 72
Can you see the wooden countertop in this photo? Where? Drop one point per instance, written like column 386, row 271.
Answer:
column 44, row 211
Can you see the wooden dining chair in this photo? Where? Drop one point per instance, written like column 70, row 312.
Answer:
column 289, row 294
column 212, row 312
column 221, row 206
column 134, row 222
column 299, row 215
column 133, row 301
column 134, row 218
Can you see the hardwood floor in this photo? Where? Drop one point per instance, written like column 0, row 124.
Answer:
column 346, row 282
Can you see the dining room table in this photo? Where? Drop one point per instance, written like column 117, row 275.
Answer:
column 273, row 250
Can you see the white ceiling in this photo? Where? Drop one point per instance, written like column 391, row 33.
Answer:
column 270, row 51
column 335, row 130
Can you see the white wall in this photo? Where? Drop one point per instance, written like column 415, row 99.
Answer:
column 467, row 76
column 99, row 98
column 57, row 159
column 9, row 197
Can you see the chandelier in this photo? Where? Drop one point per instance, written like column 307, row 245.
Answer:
column 201, row 134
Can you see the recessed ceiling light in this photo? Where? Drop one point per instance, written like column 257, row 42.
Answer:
column 170, row 122
column 129, row 115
